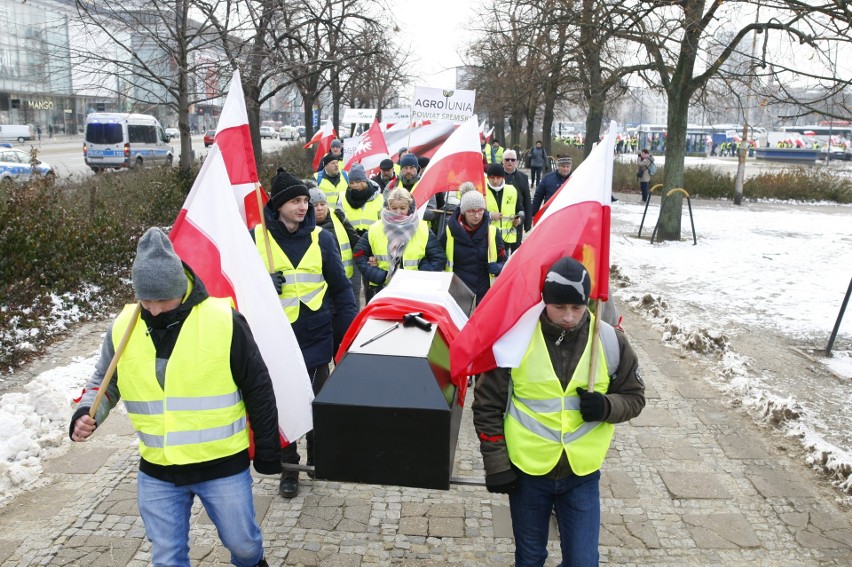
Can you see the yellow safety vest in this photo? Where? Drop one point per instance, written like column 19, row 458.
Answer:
column 199, row 416
column 332, row 191
column 492, row 249
column 304, row 283
column 507, row 209
column 543, row 419
column 411, row 256
column 487, row 152
column 365, row 217
column 343, row 243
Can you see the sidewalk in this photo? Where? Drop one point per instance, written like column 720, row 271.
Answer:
column 689, row 482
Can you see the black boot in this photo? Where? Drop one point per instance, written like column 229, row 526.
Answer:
column 289, row 486
column 262, row 563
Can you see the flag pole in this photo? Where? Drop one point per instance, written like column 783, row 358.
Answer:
column 595, row 332
column 263, row 224
column 114, row 362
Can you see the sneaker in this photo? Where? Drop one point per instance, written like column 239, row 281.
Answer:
column 289, row 487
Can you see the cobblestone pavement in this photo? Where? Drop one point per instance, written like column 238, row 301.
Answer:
column 689, row 482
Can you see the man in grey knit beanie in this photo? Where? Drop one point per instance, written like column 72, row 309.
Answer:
column 157, row 271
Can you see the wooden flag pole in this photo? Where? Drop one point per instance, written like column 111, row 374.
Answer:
column 271, row 264
column 114, row 362
column 595, row 332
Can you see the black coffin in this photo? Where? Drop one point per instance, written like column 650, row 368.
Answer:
column 389, row 413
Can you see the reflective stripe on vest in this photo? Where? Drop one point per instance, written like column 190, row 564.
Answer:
column 199, row 415
column 492, row 249
column 303, row 284
column 343, row 243
column 365, row 217
column 543, row 419
column 414, row 251
column 507, row 208
column 332, row 191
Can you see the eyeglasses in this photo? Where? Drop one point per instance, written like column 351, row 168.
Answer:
column 509, row 159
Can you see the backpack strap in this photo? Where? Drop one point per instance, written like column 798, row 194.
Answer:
column 610, row 345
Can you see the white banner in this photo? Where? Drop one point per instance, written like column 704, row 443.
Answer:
column 359, row 115
column 439, row 104
column 394, row 115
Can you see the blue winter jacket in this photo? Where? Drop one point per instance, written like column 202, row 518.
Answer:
column 548, row 185
column 313, row 329
column 470, row 254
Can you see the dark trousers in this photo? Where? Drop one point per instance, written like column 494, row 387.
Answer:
column 290, row 453
column 535, row 176
column 643, row 186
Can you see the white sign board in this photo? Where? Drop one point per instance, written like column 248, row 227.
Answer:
column 359, row 115
column 439, row 104
column 394, row 115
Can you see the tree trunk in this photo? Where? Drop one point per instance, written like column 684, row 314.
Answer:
column 308, row 101
column 672, row 209
column 594, row 120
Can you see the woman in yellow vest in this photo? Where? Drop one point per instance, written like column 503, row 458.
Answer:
column 475, row 250
column 400, row 241
column 544, row 443
column 189, row 372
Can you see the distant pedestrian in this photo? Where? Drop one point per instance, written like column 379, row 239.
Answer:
column 536, row 158
column 38, row 132
column 643, row 173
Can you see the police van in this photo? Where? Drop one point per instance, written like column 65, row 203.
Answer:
column 114, row 141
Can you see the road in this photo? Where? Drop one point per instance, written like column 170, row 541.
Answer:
column 65, row 153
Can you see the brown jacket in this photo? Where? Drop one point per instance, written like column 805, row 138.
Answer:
column 624, row 399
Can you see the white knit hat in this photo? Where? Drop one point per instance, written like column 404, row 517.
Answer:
column 471, row 200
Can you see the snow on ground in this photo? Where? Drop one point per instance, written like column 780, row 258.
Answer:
column 760, row 269
column 34, row 423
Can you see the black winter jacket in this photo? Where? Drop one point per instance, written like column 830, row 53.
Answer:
column 470, row 253
column 313, row 329
column 521, row 182
column 250, row 375
column 548, row 185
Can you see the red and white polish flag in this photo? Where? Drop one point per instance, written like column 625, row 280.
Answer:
column 422, row 140
column 459, row 159
column 370, row 150
column 576, row 224
column 324, row 136
column 211, row 236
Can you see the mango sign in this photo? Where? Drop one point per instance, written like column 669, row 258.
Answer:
column 439, row 104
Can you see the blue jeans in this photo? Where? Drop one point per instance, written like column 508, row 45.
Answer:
column 646, row 192
column 578, row 514
column 165, row 510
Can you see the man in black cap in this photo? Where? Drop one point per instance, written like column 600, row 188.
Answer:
column 331, row 179
column 309, row 276
column 546, row 450
column 189, row 372
column 385, row 175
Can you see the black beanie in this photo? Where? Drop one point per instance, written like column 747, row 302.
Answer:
column 495, row 170
column 567, row 283
column 286, row 186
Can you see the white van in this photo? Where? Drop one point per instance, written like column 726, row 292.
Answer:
column 17, row 133
column 116, row 140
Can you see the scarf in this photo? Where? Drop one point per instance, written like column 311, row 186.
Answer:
column 358, row 199
column 399, row 229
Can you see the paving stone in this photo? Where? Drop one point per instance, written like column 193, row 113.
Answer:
column 654, row 417
column 720, row 531
column 447, row 510
column 742, row 446
column 37, row 505
column 85, row 461
column 712, row 414
column 410, row 525
column 658, row 447
column 695, row 390
column 618, row 484
column 117, row 424
column 771, row 483
column 100, row 551
column 446, row 527
column 122, row 501
column 7, row 548
column 689, row 484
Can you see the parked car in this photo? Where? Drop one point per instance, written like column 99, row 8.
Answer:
column 209, row 138
column 301, row 130
column 15, row 167
column 268, row 132
column 172, row 133
column 288, row 133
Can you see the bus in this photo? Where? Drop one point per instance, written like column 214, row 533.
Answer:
column 699, row 139
column 815, row 136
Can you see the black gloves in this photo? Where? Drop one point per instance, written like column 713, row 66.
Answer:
column 267, row 467
column 277, row 281
column 593, row 405
column 494, row 268
column 503, row 482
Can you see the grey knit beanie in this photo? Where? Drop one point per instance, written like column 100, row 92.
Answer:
column 157, row 271
column 472, row 200
column 318, row 196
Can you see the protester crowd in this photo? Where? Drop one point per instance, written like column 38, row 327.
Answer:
column 330, row 244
